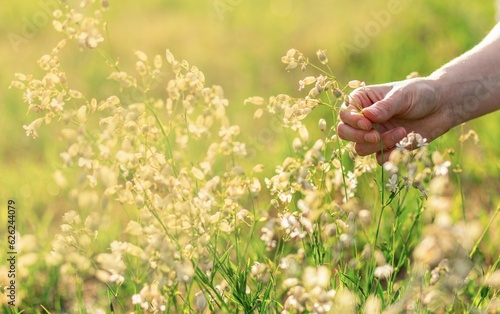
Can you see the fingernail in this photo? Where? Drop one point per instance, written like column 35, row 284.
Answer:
column 371, row 137
column 363, row 125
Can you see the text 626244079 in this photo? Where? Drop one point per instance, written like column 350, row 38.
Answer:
column 11, row 252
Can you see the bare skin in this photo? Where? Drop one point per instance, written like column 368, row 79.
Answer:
column 379, row 116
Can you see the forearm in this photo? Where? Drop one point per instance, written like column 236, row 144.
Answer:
column 470, row 85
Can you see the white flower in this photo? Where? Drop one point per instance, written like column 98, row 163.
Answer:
column 402, row 145
column 391, row 167
column 31, row 130
column 200, row 301
column 393, row 183
column 316, row 277
column 57, row 104
column 356, row 84
column 421, row 141
column 28, row 96
column 384, row 272
column 442, row 169
column 322, row 125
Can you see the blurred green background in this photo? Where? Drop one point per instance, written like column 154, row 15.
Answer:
column 238, row 45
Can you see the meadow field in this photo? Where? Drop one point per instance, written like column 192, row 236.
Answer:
column 182, row 157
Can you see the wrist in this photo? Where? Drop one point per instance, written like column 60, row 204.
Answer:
column 455, row 98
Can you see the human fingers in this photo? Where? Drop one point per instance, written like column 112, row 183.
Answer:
column 396, row 102
column 381, row 111
column 347, row 132
column 366, row 96
column 388, row 140
column 359, row 100
column 355, row 119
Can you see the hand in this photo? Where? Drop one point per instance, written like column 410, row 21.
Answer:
column 379, row 116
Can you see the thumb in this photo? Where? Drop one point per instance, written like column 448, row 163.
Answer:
column 385, row 109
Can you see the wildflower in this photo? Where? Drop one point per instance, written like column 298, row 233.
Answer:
column 297, row 144
column 440, row 166
column 337, row 93
column 17, row 84
column 29, row 95
column 116, row 278
column 390, row 167
column 471, row 134
column 493, row 280
column 200, row 301
column 31, row 129
column 345, row 302
column 290, row 283
column 141, row 68
column 306, row 81
column 402, row 145
column 197, row 173
column 256, row 100
column 384, row 272
column 141, row 56
column 356, row 84
column 428, row 251
column 364, row 164
column 185, row 272
column 322, row 56
column 268, row 234
column 393, row 183
column 352, row 183
column 289, row 59
column 60, row 179
column 258, row 113
column 293, row 226
column 81, row 114
column 313, row 93
column 379, row 257
column 365, row 216
column 373, row 305
column 89, row 35
column 316, row 277
column 136, row 299
column 322, row 125
column 421, row 141
column 112, row 263
column 258, row 168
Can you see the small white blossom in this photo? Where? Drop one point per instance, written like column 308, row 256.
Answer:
column 442, row 169
column 393, row 183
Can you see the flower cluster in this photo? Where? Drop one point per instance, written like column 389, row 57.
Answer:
column 75, row 24
column 312, row 294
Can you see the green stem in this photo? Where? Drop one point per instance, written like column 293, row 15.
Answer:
column 476, row 245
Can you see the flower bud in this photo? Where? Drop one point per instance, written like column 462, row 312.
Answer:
column 337, row 93
column 322, row 125
column 322, row 56
column 356, row 84
column 303, row 133
column 297, row 144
